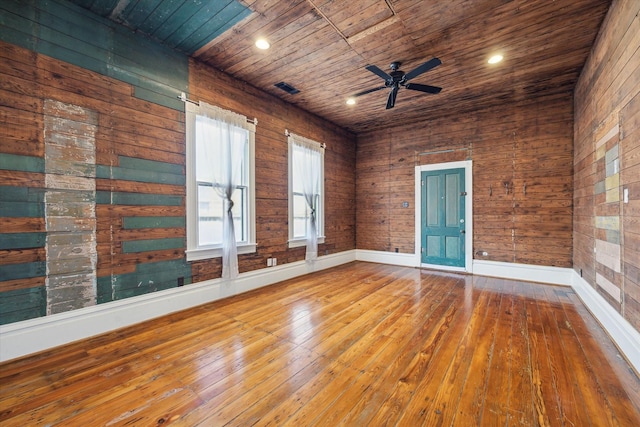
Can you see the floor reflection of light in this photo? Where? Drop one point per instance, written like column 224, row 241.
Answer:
column 300, row 320
column 218, row 362
column 238, row 351
column 204, row 365
column 468, row 293
column 208, row 356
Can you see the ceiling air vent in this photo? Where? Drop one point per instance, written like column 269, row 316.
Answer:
column 287, row 88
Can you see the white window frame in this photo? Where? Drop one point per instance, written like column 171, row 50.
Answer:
column 295, row 242
column 193, row 251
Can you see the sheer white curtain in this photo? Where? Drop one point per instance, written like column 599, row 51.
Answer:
column 307, row 163
column 224, row 145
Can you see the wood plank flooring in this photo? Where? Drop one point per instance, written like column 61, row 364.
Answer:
column 358, row 345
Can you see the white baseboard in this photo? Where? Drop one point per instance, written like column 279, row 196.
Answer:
column 33, row 335
column 506, row 270
column 625, row 337
column 525, row 272
column 381, row 257
column 30, row 336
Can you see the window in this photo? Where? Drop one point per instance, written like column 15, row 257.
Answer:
column 220, row 161
column 306, row 193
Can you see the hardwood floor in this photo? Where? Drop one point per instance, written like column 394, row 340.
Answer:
column 358, row 345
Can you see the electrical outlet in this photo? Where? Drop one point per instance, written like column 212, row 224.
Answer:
column 269, row 262
column 180, row 281
column 275, row 261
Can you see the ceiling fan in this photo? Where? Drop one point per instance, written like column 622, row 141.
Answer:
column 398, row 78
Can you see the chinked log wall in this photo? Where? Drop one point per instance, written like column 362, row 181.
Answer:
column 607, row 162
column 520, row 145
column 124, row 225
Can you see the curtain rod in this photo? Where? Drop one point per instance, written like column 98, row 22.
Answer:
column 288, row 134
column 182, row 97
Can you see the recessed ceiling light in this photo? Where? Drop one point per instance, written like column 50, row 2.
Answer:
column 495, row 59
column 262, row 44
column 351, row 101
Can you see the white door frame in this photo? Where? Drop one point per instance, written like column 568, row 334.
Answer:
column 468, row 213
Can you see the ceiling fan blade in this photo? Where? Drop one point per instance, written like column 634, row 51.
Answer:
column 391, row 101
column 423, row 88
column 364, row 92
column 378, row 72
column 432, row 63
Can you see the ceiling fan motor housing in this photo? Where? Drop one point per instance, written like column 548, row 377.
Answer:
column 397, row 76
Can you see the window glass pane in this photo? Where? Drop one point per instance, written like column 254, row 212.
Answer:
column 319, row 218
column 209, row 216
column 297, row 180
column 239, row 214
column 209, row 136
column 206, row 147
column 244, row 138
column 300, row 213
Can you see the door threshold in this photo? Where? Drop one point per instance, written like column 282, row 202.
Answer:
column 445, row 268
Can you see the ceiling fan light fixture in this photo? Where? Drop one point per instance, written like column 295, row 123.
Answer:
column 495, row 58
column 263, row 44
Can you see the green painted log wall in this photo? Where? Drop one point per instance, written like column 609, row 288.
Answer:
column 137, row 169
column 64, row 31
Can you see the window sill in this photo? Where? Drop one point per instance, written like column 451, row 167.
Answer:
column 296, row 243
column 200, row 254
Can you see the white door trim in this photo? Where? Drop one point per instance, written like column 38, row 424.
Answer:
column 468, row 241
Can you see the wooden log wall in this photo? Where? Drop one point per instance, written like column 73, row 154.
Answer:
column 607, row 163
column 512, row 147
column 274, row 116
column 133, row 217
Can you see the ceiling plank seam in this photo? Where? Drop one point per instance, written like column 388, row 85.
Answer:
column 326, row 18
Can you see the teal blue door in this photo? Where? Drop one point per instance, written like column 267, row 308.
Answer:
column 443, row 221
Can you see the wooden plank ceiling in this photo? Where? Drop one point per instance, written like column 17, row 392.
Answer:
column 321, row 47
